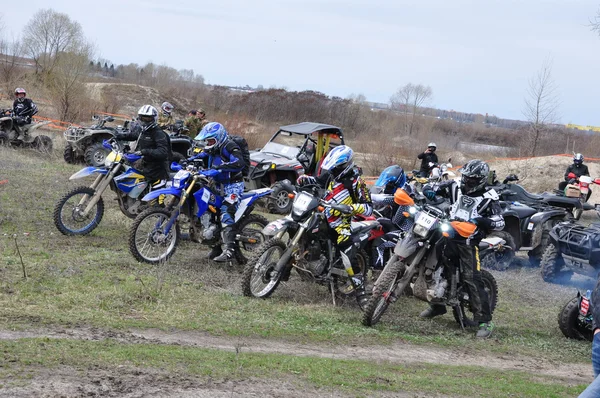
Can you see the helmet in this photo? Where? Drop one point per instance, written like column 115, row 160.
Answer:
column 20, row 90
column 389, row 180
column 167, row 108
column 474, row 176
column 578, row 158
column 432, row 146
column 339, row 162
column 213, row 135
column 147, row 116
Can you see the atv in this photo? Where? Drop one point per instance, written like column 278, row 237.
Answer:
column 573, row 248
column 85, row 143
column 181, row 144
column 294, row 150
column 575, row 318
column 14, row 135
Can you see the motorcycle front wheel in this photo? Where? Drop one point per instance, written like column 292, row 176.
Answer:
column 67, row 212
column 382, row 294
column 148, row 242
column 491, row 288
column 259, row 279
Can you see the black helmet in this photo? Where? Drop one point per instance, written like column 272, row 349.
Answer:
column 578, row 158
column 474, row 176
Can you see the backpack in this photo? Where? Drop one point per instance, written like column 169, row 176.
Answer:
column 243, row 145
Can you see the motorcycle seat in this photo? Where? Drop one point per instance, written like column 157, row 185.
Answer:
column 387, row 225
column 357, row 227
column 254, row 192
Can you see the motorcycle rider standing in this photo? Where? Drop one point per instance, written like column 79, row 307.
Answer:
column 472, row 202
column 23, row 110
column 152, row 144
column 344, row 186
column 225, row 163
column 574, row 171
column 427, row 157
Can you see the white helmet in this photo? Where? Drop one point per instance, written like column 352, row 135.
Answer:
column 431, row 144
column 148, row 115
column 167, row 107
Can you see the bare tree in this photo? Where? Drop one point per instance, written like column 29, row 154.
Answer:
column 408, row 100
column 541, row 104
column 49, row 33
column 595, row 22
column 11, row 68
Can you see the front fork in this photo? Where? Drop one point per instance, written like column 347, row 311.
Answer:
column 99, row 185
column 176, row 211
column 285, row 257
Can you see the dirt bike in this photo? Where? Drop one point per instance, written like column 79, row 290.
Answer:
column 309, row 249
column 418, row 263
column 575, row 318
column 579, row 187
column 11, row 134
column 156, row 232
column 80, row 210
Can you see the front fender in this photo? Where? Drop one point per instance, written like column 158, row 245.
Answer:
column 87, row 171
column 164, row 191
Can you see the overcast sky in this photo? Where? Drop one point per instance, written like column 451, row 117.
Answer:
column 476, row 55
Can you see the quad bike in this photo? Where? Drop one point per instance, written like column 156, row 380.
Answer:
column 573, row 248
column 438, row 172
column 85, row 143
column 181, row 144
column 11, row 134
column 575, row 318
column 292, row 151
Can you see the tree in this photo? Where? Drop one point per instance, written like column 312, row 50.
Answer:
column 11, row 72
column 49, row 33
column 408, row 100
column 595, row 22
column 541, row 104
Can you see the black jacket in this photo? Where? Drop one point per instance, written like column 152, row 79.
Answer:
column 577, row 169
column 427, row 158
column 156, row 151
column 25, row 109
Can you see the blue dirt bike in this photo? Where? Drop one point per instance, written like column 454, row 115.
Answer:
column 193, row 203
column 80, row 210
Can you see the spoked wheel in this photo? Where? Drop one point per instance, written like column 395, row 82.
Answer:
column 251, row 236
column 68, row 216
column 258, row 279
column 491, row 288
column 148, row 241
column 382, row 294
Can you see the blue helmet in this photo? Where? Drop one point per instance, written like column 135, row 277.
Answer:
column 213, row 136
column 339, row 161
column 389, row 180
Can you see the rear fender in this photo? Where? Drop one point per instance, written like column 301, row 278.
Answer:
column 88, row 171
column 164, row 191
column 277, row 227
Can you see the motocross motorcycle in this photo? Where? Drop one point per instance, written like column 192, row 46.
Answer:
column 575, row 319
column 418, row 263
column 579, row 187
column 309, row 249
column 81, row 209
column 156, row 232
column 9, row 131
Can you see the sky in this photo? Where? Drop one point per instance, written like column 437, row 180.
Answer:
column 477, row 56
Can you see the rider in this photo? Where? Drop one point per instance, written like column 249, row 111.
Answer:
column 427, row 157
column 574, row 171
column 472, row 202
column 390, row 180
column 166, row 119
column 152, row 144
column 23, row 110
column 193, row 123
column 225, row 164
column 344, row 186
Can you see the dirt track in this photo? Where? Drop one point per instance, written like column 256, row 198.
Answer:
column 138, row 383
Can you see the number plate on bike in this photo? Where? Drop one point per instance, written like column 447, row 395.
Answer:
column 302, row 201
column 426, row 220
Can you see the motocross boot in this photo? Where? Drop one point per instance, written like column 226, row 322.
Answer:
column 228, row 237
column 433, row 311
column 485, row 330
column 214, row 252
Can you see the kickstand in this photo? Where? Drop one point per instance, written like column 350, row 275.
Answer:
column 461, row 317
column 332, row 287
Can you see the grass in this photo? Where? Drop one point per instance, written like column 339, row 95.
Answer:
column 94, row 281
column 353, row 377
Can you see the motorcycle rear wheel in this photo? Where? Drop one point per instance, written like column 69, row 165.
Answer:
column 258, row 279
column 491, row 287
column 147, row 242
column 250, row 227
column 87, row 223
column 380, row 300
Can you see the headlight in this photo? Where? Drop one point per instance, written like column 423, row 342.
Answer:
column 420, row 230
column 265, row 166
column 412, row 210
column 446, row 227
